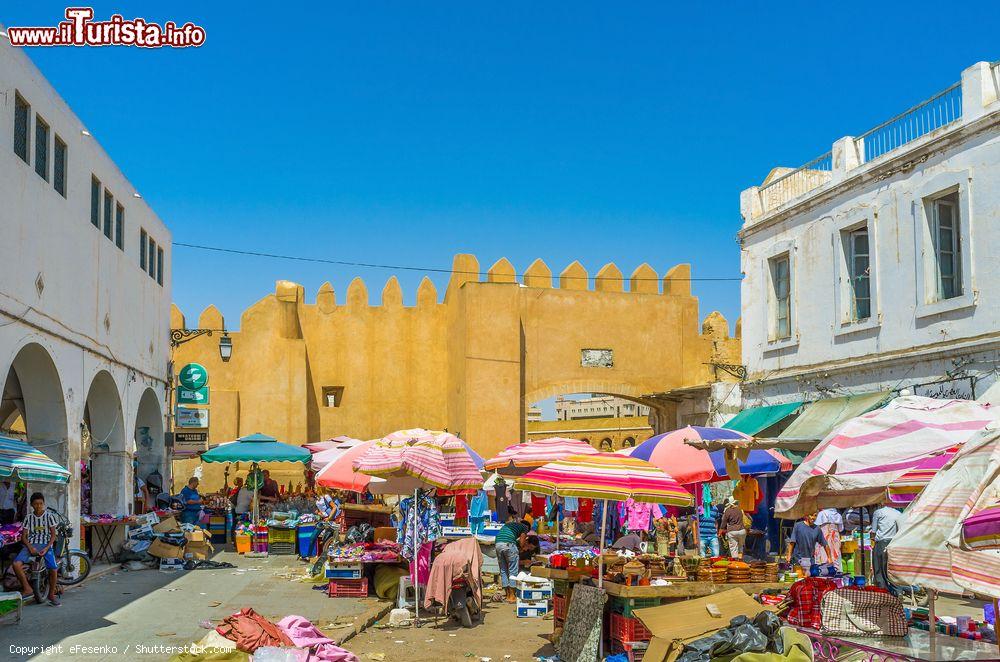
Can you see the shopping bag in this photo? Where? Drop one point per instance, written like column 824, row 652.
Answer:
column 855, row 612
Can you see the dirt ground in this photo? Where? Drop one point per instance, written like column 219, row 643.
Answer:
column 501, row 636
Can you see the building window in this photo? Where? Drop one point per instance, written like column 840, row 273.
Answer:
column 142, row 249
column 159, row 265
column 59, row 167
column 333, row 396
column 120, row 226
column 95, row 202
column 152, row 259
column 945, row 233
column 109, row 201
column 22, row 111
column 859, row 269
column 781, row 294
column 41, row 148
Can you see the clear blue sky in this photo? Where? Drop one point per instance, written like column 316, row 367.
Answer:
column 406, row 132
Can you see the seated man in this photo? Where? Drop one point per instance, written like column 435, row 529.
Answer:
column 38, row 537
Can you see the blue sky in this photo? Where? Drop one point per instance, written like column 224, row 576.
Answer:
column 403, row 133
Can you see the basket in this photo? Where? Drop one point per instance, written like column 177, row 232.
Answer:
column 348, row 588
column 628, row 629
column 625, row 606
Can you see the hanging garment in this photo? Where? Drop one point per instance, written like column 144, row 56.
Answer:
column 461, row 510
column 585, row 511
column 634, row 515
column 537, row 506
column 571, row 504
column 428, row 523
column 747, row 493
column 502, row 502
column 478, row 506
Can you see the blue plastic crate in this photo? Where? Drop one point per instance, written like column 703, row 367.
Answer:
column 344, row 571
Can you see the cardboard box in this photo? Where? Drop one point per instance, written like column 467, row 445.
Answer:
column 385, row 533
column 199, row 551
column 166, row 526
column 688, row 620
column 162, row 550
column 197, row 535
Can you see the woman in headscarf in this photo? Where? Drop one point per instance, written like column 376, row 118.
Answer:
column 831, row 523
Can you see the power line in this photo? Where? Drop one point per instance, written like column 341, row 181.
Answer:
column 397, row 267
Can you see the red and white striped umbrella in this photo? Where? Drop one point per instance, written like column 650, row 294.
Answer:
column 410, row 459
column 519, row 459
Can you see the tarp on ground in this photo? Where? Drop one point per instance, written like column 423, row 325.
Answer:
column 854, row 465
column 818, row 419
column 927, row 549
column 753, row 420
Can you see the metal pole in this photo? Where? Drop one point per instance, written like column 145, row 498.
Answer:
column 416, row 572
column 600, row 571
column 861, row 547
column 932, row 620
column 556, row 499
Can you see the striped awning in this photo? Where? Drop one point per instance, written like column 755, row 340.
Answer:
column 19, row 459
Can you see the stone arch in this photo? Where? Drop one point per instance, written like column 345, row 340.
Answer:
column 606, row 445
column 110, row 459
column 33, row 392
column 149, row 441
column 629, row 442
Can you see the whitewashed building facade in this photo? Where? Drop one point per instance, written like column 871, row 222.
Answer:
column 876, row 267
column 84, row 297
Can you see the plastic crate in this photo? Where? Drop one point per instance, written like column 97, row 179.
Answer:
column 280, row 535
column 531, row 612
column 344, row 571
column 559, row 604
column 625, row 606
column 625, row 628
column 634, row 650
column 534, row 594
column 279, row 548
column 562, row 587
column 348, row 588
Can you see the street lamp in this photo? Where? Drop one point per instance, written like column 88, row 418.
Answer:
column 225, row 347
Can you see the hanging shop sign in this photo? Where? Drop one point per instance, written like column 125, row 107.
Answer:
column 193, row 376
column 192, row 396
column 190, row 443
column 189, row 417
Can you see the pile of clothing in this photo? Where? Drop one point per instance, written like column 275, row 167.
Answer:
column 106, row 518
column 246, row 632
column 383, row 550
column 10, row 533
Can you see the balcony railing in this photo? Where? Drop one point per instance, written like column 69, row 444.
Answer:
column 940, row 110
column 798, row 182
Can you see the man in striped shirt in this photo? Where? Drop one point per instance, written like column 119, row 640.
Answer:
column 38, row 536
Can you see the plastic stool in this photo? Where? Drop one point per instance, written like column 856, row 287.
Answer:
column 406, row 598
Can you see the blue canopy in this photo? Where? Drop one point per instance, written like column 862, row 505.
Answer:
column 257, row 448
column 758, row 462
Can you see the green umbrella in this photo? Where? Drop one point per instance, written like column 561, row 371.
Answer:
column 257, row 448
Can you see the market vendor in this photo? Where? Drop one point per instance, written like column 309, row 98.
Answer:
column 802, row 543
column 269, row 490
column 330, row 508
column 509, row 540
column 192, row 502
column 529, row 549
column 243, row 500
column 733, row 528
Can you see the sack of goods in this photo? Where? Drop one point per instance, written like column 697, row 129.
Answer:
column 862, row 612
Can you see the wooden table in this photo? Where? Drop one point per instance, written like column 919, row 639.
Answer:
column 681, row 589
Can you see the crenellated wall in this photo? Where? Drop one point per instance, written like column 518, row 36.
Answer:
column 470, row 363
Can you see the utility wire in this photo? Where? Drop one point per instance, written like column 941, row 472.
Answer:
column 395, row 267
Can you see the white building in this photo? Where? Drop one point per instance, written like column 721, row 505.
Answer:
column 597, row 406
column 84, row 297
column 876, row 267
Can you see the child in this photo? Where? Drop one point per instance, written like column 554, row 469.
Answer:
column 38, row 537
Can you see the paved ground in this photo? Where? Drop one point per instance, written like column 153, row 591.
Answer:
column 501, row 636
column 125, row 610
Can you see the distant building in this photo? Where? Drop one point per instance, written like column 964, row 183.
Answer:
column 533, row 414
column 873, row 267
column 84, row 298
column 601, row 433
column 598, row 406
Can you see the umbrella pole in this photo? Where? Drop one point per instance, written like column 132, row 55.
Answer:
column 557, row 524
column 600, row 570
column 416, row 571
column 861, row 547
column 932, row 619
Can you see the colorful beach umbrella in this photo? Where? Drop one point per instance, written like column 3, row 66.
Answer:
column 257, row 448
column 339, row 473
column 324, row 457
column 19, row 459
column 519, row 459
column 605, row 476
column 317, row 446
column 686, row 464
column 905, row 489
column 410, row 459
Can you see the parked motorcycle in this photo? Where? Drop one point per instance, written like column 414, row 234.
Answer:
column 462, row 603
column 460, row 565
column 72, row 565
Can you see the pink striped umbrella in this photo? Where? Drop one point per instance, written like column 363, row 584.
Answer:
column 339, row 474
column 905, row 489
column 519, row 459
column 410, row 459
column 324, row 457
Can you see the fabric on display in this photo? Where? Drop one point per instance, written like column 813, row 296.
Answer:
column 387, row 581
column 503, row 502
column 478, row 506
column 250, row 631
column 537, row 506
column 585, row 511
column 747, row 494
column 571, row 504
column 427, row 519
column 306, row 635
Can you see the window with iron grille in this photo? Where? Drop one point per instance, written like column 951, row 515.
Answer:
column 781, row 294
column 41, row 148
column 59, row 166
column 22, row 112
column 95, row 202
column 109, row 201
column 142, row 249
column 152, row 259
column 859, row 268
column 159, row 265
column 947, row 246
column 120, row 226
